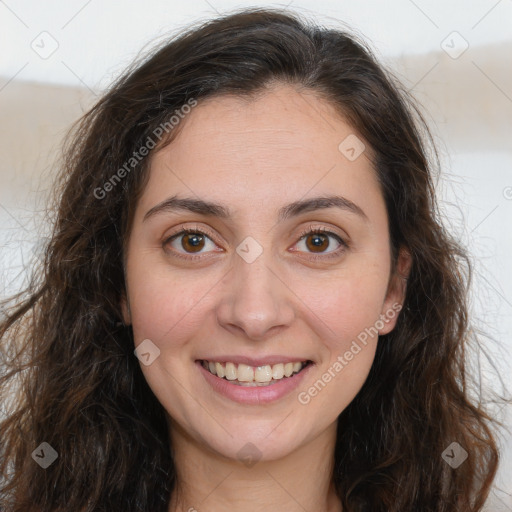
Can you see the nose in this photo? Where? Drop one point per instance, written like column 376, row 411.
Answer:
column 256, row 301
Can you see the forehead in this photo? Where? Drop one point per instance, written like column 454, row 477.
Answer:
column 282, row 119
column 276, row 147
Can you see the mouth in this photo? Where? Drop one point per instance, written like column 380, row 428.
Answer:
column 254, row 376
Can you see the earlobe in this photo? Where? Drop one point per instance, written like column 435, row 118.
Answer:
column 396, row 292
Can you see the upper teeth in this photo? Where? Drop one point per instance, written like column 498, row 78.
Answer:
column 246, row 373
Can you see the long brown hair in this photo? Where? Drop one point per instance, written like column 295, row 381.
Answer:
column 81, row 387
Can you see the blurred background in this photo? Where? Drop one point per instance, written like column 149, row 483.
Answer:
column 57, row 57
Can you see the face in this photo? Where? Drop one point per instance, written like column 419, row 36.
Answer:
column 260, row 285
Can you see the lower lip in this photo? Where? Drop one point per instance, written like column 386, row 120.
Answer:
column 254, row 395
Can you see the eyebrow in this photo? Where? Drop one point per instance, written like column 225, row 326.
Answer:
column 173, row 204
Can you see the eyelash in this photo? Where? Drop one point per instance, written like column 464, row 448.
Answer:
column 309, row 231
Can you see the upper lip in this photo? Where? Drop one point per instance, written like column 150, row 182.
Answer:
column 251, row 361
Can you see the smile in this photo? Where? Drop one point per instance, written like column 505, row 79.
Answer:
column 245, row 375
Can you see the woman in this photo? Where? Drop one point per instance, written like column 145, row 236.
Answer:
column 248, row 299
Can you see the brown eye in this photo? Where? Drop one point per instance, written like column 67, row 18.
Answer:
column 189, row 241
column 192, row 242
column 317, row 242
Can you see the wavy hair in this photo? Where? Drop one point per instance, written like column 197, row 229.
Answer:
column 81, row 389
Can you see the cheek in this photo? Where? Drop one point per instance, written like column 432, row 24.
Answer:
column 163, row 306
column 344, row 311
column 347, row 322
column 346, row 304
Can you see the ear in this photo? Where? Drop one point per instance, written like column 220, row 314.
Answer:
column 125, row 307
column 395, row 294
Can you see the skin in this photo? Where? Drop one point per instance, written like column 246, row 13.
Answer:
column 255, row 157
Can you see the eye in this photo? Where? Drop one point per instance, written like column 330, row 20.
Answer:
column 191, row 241
column 317, row 241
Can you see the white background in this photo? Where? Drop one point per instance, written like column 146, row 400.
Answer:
column 468, row 101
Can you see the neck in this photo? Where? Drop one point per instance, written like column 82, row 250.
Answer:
column 206, row 480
